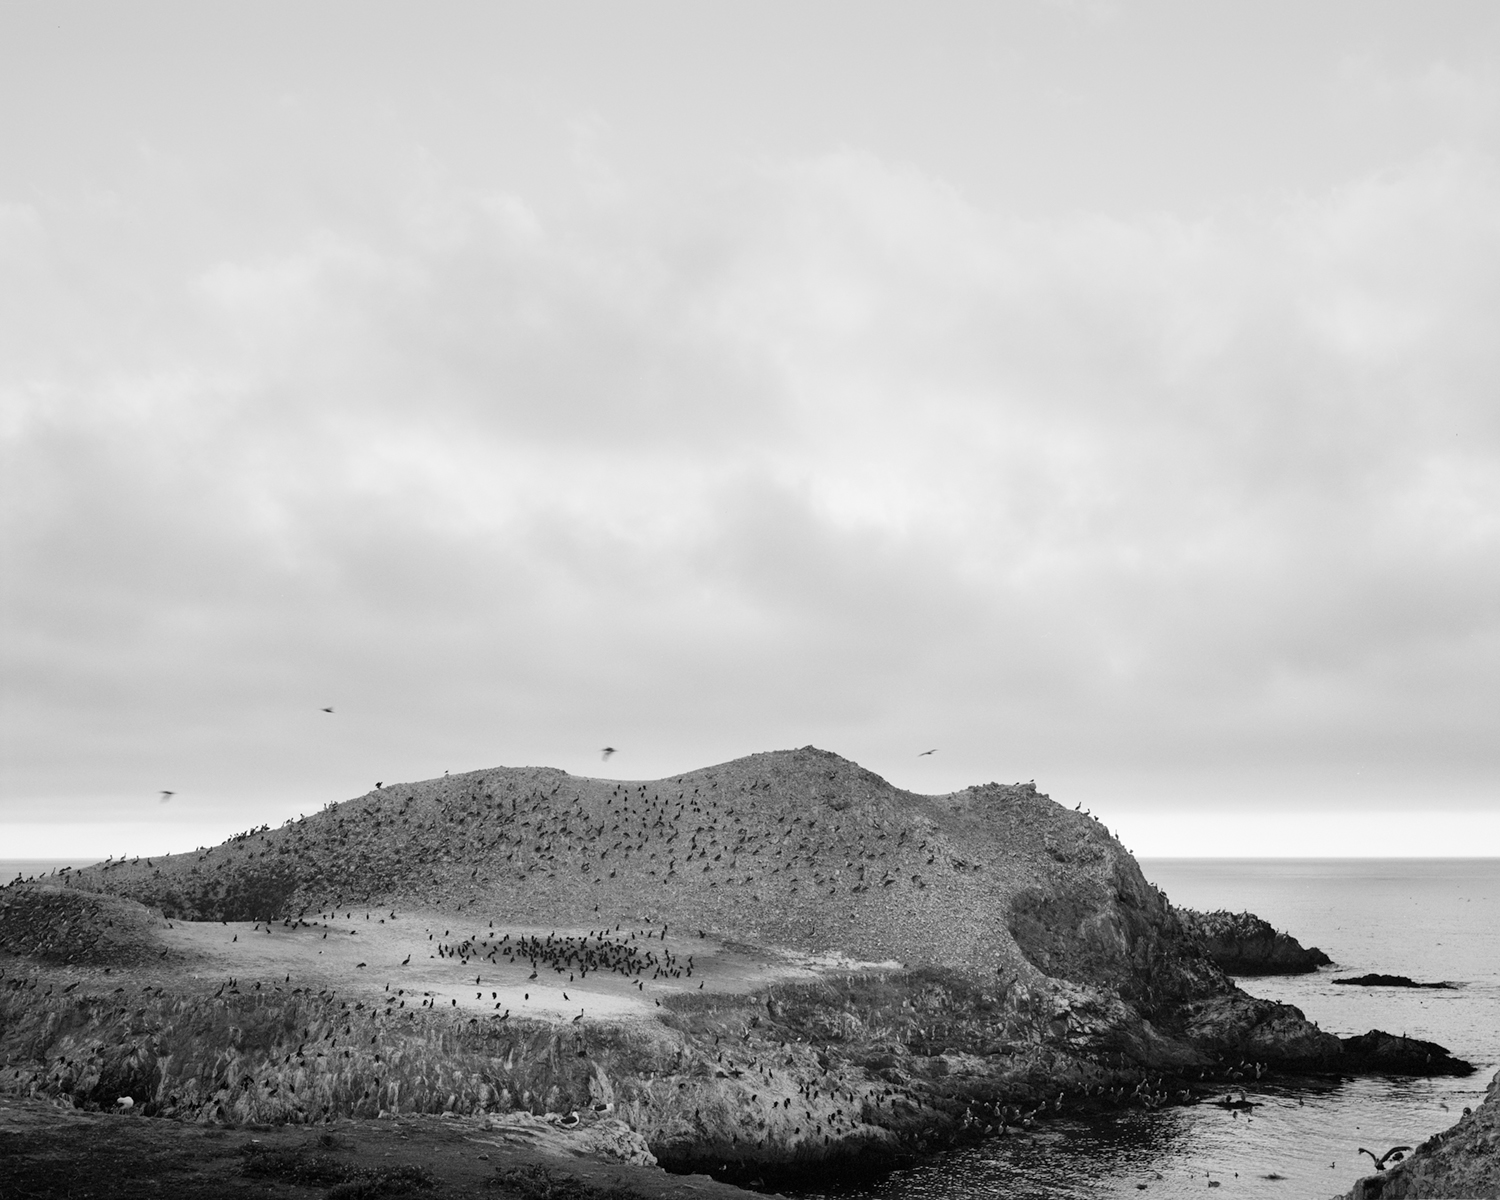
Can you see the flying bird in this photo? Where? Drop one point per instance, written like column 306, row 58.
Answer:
column 606, row 752
column 925, row 753
column 328, row 710
column 1394, row 1154
column 166, row 795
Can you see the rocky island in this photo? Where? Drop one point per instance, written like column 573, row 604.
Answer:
column 763, row 970
column 1244, row 944
column 1401, row 981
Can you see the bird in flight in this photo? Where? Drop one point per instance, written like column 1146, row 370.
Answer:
column 166, row 795
column 1395, row 1153
column 606, row 752
column 328, row 710
column 925, row 753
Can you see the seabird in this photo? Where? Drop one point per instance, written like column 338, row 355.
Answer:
column 166, row 795
column 925, row 753
column 1394, row 1154
column 606, row 752
column 328, row 710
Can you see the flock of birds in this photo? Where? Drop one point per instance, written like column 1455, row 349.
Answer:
column 598, row 951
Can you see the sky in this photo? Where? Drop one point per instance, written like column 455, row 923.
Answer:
column 1106, row 395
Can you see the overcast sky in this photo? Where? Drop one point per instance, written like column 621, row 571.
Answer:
column 1106, row 395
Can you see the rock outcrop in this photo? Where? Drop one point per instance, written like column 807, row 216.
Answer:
column 1378, row 1052
column 1462, row 1161
column 1244, row 944
column 1401, row 981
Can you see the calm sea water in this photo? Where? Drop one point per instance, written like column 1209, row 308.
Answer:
column 1431, row 919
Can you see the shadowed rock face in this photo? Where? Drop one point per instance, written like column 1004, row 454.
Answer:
column 1243, row 944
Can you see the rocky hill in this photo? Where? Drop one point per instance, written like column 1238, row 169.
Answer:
column 799, row 849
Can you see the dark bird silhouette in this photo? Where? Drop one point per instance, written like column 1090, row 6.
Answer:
column 406, row 960
column 1394, row 1154
column 606, row 752
column 328, row 710
column 166, row 795
column 925, row 753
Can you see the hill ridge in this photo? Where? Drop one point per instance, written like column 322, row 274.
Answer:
column 801, row 849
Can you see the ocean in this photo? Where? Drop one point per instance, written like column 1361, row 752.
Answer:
column 1430, row 919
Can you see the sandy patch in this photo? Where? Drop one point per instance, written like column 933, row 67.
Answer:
column 383, row 953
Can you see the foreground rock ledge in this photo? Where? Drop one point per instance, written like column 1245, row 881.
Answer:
column 46, row 1151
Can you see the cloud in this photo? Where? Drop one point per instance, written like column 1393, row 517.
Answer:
column 819, row 451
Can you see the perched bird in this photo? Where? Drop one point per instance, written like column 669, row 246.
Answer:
column 1394, row 1154
column 606, row 752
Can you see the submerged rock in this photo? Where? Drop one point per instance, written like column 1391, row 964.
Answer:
column 1244, row 944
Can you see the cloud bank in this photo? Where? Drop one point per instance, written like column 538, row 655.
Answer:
column 1173, row 513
